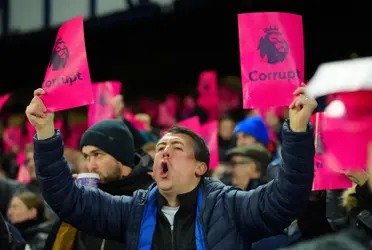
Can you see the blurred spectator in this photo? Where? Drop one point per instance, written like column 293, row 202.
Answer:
column 27, row 214
column 249, row 164
column 251, row 130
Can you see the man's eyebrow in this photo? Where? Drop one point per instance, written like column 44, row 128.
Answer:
column 173, row 142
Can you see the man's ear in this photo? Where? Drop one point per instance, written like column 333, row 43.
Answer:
column 201, row 169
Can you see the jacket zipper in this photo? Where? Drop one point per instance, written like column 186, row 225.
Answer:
column 172, row 235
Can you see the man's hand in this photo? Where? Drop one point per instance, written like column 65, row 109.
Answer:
column 301, row 110
column 41, row 121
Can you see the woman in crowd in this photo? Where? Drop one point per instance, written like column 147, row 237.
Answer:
column 27, row 214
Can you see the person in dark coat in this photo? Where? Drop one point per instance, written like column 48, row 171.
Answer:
column 27, row 214
column 10, row 237
column 121, row 171
column 183, row 209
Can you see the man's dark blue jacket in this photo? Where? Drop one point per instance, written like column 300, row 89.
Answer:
column 227, row 218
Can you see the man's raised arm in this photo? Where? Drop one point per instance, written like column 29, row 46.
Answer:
column 89, row 210
column 270, row 208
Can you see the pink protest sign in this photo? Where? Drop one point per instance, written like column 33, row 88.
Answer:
column 192, row 123
column 207, row 84
column 3, row 100
column 67, row 80
column 271, row 58
column 208, row 93
column 324, row 177
column 347, row 130
column 12, row 138
column 209, row 132
column 346, row 142
column 103, row 108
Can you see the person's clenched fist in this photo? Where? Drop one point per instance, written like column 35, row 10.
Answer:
column 41, row 121
column 301, row 110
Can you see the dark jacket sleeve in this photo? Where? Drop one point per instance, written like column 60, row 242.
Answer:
column 270, row 208
column 89, row 210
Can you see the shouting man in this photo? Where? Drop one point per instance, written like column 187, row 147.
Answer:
column 184, row 209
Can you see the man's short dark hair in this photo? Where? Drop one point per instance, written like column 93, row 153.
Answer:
column 200, row 147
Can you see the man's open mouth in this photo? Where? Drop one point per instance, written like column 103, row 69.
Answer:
column 164, row 167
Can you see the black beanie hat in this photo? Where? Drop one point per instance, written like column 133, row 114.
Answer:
column 113, row 137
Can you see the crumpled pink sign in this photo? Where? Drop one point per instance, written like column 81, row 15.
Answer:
column 192, row 123
column 12, row 138
column 67, row 80
column 76, row 131
column 3, row 100
column 325, row 178
column 209, row 133
column 103, row 94
column 208, row 93
column 271, row 58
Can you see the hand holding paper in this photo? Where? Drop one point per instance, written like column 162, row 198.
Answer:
column 41, row 121
column 301, row 110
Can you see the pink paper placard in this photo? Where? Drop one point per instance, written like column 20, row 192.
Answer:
column 325, row 178
column 207, row 84
column 346, row 142
column 103, row 93
column 67, row 80
column 208, row 93
column 12, row 138
column 209, row 132
column 271, row 58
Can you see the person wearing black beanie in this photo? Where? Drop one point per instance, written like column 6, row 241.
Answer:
column 108, row 146
column 110, row 150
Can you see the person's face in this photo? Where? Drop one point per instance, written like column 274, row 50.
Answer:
column 242, row 170
column 18, row 212
column 243, row 139
column 226, row 129
column 31, row 164
column 176, row 170
column 106, row 166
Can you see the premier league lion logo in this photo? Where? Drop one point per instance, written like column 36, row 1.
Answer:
column 60, row 55
column 273, row 46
